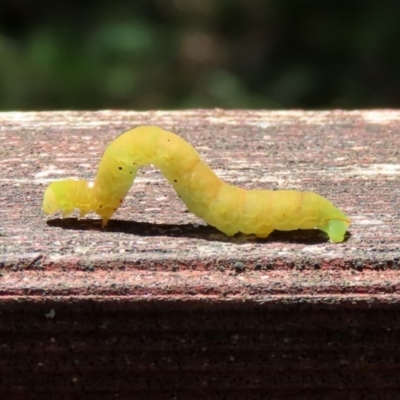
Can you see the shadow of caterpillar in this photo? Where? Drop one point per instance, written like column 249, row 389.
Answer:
column 226, row 207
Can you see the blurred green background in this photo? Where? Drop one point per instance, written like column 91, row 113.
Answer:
column 168, row 54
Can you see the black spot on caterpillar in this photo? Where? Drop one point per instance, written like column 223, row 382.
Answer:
column 229, row 208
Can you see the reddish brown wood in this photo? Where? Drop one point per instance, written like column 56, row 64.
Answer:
column 158, row 305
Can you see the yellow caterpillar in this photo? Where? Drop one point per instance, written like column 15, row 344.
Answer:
column 228, row 208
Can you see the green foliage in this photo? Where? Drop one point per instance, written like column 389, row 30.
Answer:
column 199, row 53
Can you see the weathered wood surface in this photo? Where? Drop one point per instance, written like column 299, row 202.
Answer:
column 353, row 158
column 161, row 266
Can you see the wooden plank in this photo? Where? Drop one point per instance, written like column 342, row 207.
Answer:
column 68, row 287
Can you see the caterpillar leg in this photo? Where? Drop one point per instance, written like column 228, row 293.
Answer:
column 228, row 231
column 105, row 215
column 265, row 233
column 83, row 212
column 335, row 229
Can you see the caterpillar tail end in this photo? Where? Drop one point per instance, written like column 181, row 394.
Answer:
column 335, row 229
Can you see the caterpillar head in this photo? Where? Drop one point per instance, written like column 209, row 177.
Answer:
column 61, row 196
column 50, row 202
column 68, row 195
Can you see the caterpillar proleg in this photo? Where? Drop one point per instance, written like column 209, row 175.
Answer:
column 228, row 208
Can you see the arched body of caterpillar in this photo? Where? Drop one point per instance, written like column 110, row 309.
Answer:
column 228, row 208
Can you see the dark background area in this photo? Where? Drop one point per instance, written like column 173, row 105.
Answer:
column 166, row 54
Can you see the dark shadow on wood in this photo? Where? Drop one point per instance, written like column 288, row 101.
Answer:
column 205, row 232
